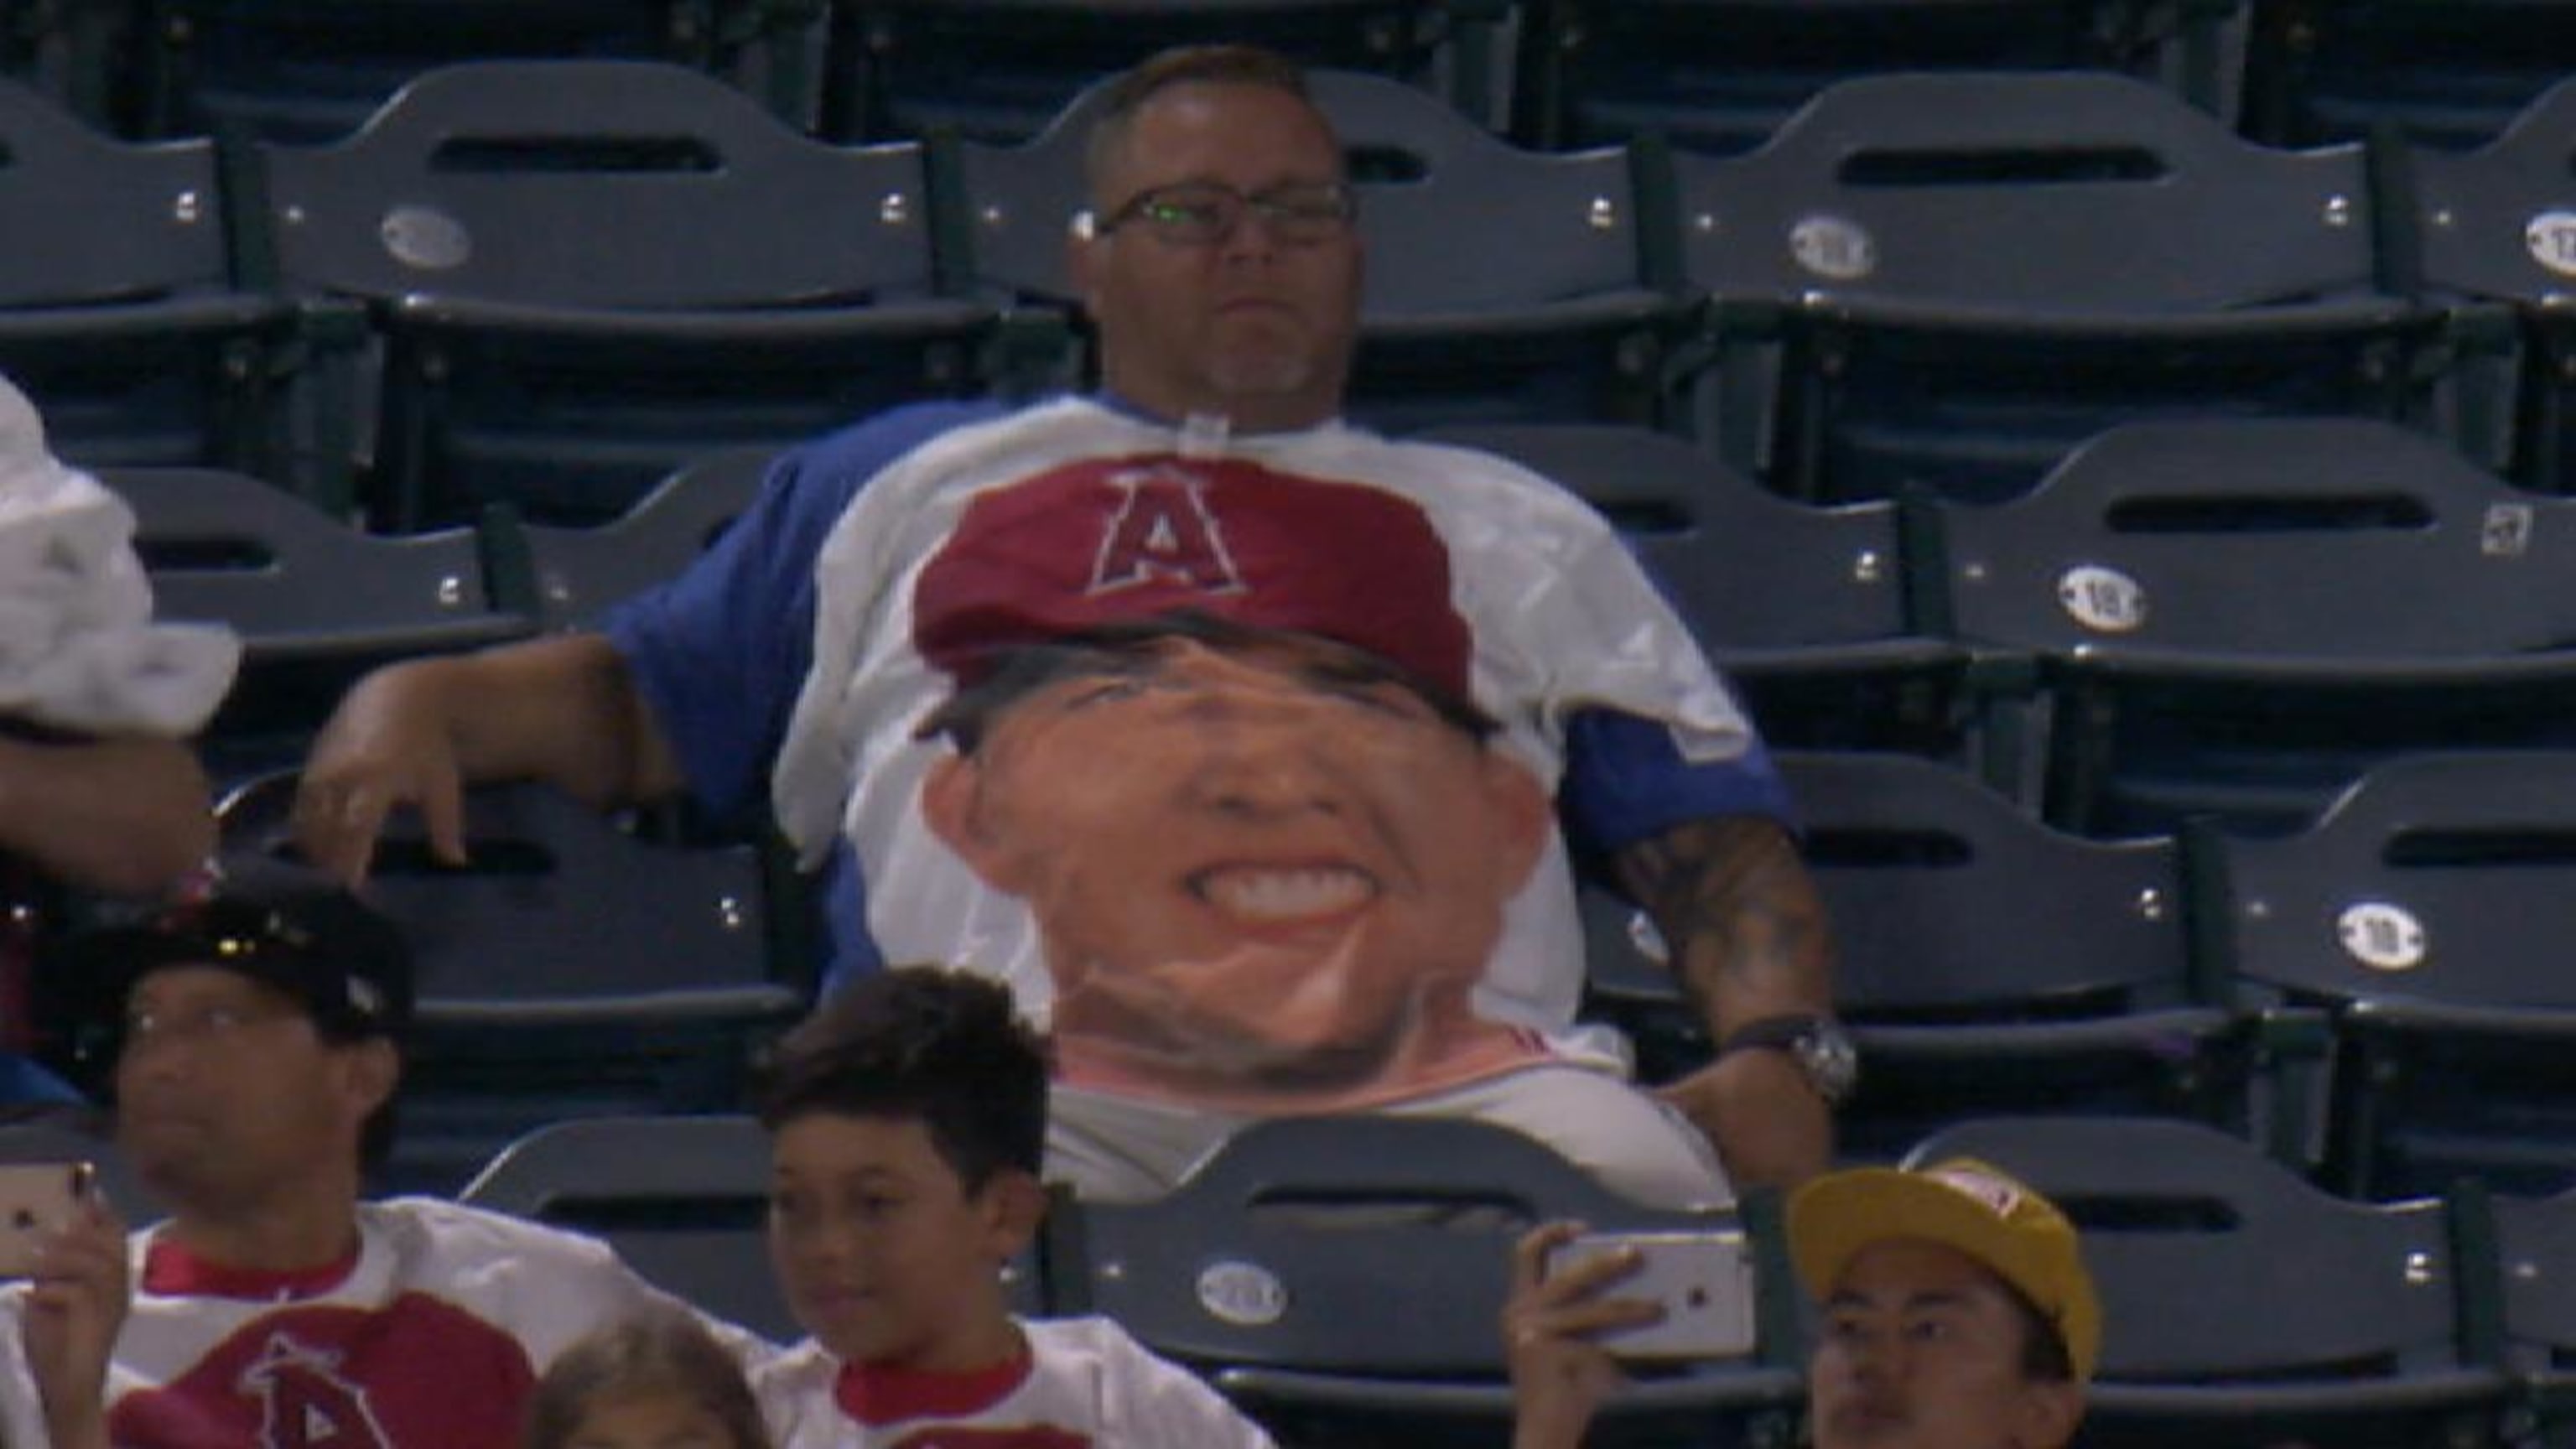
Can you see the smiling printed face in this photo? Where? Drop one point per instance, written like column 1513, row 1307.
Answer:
column 1253, row 871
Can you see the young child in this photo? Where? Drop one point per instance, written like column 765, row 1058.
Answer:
column 656, row 1381
column 907, row 1119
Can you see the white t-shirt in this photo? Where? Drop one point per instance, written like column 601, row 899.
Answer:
column 1086, row 1382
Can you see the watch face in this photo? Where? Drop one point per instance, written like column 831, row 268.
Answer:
column 1832, row 1063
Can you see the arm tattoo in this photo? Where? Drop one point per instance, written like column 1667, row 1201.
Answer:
column 1740, row 917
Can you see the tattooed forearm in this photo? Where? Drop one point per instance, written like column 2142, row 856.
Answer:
column 1739, row 914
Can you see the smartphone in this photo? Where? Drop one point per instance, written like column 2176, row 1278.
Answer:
column 37, row 1200
column 1702, row 1279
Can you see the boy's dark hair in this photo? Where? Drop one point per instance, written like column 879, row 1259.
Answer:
column 662, row 1348
column 1214, row 65
column 1129, row 649
column 944, row 1047
column 2044, row 1359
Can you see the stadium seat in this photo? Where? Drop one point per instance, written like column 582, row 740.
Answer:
column 2498, row 225
column 118, row 316
column 1565, row 324
column 684, row 1200
column 1720, row 75
column 2236, row 618
column 2533, row 1245
column 314, row 70
column 586, row 273
column 80, row 1135
column 998, row 70
column 1947, row 281
column 570, row 968
column 316, row 602
column 1342, row 1278
column 2426, row 913
column 2242, row 1306
column 2447, row 73
column 568, row 577
column 1807, row 610
column 1986, row 963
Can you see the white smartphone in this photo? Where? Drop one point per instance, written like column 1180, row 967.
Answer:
column 37, row 1200
column 1703, row 1280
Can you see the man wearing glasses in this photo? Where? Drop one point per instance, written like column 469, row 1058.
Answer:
column 257, row 1054
column 1211, row 475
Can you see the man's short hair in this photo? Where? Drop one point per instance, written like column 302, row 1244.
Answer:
column 946, row 1048
column 970, row 715
column 1209, row 65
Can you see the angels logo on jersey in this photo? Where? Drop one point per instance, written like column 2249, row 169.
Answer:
column 1163, row 533
column 305, row 1404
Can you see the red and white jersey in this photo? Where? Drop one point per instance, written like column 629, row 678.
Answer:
column 1074, row 514
column 431, row 1338
column 1084, row 1383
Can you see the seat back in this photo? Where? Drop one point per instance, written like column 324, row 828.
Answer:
column 2496, row 221
column 2056, row 194
column 684, row 1200
column 2192, row 1237
column 117, row 313
column 2288, row 537
column 575, row 574
column 2448, row 73
column 598, row 184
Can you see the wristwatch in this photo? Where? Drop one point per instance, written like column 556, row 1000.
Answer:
column 1820, row 1046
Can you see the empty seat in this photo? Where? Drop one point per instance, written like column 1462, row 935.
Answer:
column 2237, row 618
column 1807, row 610
column 2426, row 913
column 2449, row 73
column 2498, row 225
column 569, row 968
column 567, row 577
column 1947, row 281
column 118, row 315
column 311, row 70
column 1270, row 1268
column 586, row 273
column 1720, row 75
column 2242, row 1306
column 999, row 70
column 1566, row 324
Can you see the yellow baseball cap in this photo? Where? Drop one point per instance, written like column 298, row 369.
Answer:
column 1959, row 1203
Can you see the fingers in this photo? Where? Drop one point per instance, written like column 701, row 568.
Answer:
column 1530, row 1254
column 336, row 826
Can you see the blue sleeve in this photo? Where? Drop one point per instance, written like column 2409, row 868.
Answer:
column 1626, row 781
column 721, row 652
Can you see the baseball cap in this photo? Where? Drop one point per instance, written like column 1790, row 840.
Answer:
column 1105, row 541
column 283, row 925
column 1959, row 1203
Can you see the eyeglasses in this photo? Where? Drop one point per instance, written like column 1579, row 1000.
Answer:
column 1203, row 213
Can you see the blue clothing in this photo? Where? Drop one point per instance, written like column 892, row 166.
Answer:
column 721, row 654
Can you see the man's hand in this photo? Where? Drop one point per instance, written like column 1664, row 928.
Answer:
column 388, row 745
column 1770, row 1127
column 75, row 1306
column 1559, row 1375
column 1748, row 940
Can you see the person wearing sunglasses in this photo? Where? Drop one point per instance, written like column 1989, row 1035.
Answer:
column 256, row 1035
column 1220, row 260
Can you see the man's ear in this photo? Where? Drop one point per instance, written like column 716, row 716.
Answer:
column 373, row 1069
column 1013, row 1203
column 2050, row 1410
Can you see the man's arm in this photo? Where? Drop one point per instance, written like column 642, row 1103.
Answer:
column 1749, row 940
column 563, row 710
column 127, row 816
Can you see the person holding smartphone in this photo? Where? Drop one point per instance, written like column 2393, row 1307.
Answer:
column 1954, row 1310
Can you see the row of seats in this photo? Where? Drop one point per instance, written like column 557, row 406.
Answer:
column 551, row 283
column 1715, row 75
column 2243, row 1306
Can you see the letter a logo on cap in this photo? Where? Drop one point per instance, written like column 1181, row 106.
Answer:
column 1163, row 532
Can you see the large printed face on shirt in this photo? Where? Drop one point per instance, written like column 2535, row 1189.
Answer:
column 1253, row 869
column 1251, row 325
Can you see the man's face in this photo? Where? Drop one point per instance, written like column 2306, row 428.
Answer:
column 1922, row 1349
column 883, row 1254
column 1251, row 325
column 226, row 1092
column 1244, row 867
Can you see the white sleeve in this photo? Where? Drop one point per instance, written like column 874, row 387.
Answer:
column 1153, row 1403
column 22, row 1418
